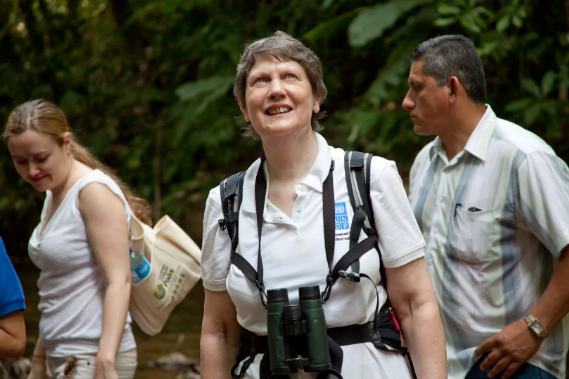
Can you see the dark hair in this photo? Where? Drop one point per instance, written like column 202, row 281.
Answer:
column 283, row 47
column 453, row 55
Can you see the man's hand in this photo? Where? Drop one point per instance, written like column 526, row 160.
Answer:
column 512, row 347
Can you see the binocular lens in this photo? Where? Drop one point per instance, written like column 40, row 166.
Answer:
column 309, row 293
column 279, row 295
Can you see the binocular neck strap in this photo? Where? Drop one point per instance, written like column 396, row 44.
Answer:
column 328, row 213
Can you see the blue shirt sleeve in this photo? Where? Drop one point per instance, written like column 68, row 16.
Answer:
column 11, row 293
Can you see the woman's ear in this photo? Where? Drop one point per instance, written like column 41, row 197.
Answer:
column 316, row 106
column 67, row 142
column 243, row 110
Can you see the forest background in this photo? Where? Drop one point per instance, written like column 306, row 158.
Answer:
column 147, row 86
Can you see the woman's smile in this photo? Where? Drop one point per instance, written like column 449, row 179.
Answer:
column 278, row 109
column 38, row 179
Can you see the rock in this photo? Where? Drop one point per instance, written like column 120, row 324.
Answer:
column 175, row 361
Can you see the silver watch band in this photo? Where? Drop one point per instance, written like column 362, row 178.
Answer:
column 536, row 326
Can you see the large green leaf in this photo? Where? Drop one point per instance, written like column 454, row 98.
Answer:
column 532, row 113
column 445, row 21
column 329, row 26
column 448, row 10
column 518, row 105
column 392, row 73
column 529, row 85
column 547, row 82
column 170, row 6
column 373, row 21
column 217, row 85
column 503, row 23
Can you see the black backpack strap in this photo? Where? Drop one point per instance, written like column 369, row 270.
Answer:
column 354, row 166
column 386, row 330
column 357, row 166
column 358, row 169
column 231, row 193
column 231, row 196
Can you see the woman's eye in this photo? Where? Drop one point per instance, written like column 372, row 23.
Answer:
column 260, row 80
column 20, row 162
column 43, row 159
column 291, row 76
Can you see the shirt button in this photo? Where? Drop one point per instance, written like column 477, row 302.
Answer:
column 280, row 218
column 299, row 209
column 302, row 189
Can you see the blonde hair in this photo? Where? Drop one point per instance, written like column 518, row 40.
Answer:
column 46, row 118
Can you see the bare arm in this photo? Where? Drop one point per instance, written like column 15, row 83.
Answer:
column 12, row 335
column 220, row 336
column 37, row 369
column 413, row 299
column 107, row 229
column 515, row 344
column 553, row 305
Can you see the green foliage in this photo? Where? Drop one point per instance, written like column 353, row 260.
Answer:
column 373, row 21
column 147, row 84
column 470, row 15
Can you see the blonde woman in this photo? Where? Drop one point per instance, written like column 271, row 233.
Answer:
column 81, row 247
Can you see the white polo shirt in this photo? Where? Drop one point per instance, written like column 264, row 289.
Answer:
column 294, row 255
column 495, row 219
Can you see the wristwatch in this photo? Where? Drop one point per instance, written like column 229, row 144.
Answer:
column 536, row 326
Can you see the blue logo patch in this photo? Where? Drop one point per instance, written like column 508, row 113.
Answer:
column 342, row 222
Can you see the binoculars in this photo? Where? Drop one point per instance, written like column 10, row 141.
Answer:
column 297, row 333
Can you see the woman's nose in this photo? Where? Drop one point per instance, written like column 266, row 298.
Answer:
column 33, row 170
column 277, row 88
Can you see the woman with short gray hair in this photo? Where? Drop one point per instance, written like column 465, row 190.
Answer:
column 291, row 225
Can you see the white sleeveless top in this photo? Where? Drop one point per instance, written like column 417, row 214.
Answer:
column 71, row 285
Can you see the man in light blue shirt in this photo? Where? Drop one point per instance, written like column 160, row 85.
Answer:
column 492, row 201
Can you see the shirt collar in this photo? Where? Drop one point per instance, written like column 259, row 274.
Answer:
column 316, row 176
column 478, row 141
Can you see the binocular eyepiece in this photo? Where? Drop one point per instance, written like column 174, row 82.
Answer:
column 297, row 333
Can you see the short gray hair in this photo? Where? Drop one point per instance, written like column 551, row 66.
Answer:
column 283, row 47
column 453, row 55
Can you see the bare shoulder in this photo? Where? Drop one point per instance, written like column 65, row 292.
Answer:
column 96, row 198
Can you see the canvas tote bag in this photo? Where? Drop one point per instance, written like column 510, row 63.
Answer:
column 175, row 269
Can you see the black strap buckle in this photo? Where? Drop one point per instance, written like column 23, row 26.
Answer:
column 262, row 293
column 353, row 276
column 328, row 289
column 369, row 231
column 222, row 224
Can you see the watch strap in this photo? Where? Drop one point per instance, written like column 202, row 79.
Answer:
column 536, row 326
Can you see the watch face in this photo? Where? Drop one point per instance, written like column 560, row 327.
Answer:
column 538, row 328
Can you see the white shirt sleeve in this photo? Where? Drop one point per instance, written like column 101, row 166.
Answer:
column 400, row 239
column 216, row 246
column 543, row 182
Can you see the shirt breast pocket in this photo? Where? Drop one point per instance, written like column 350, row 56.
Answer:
column 471, row 234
